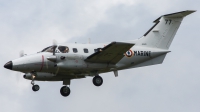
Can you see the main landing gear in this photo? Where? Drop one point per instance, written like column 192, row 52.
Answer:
column 97, row 81
column 65, row 91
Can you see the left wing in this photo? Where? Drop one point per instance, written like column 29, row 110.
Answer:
column 111, row 53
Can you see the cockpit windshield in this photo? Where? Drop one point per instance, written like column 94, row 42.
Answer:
column 63, row 49
column 48, row 49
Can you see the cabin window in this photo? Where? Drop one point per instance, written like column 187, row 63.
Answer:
column 63, row 49
column 95, row 50
column 75, row 50
column 85, row 50
column 98, row 49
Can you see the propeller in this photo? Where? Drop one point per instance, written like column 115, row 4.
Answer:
column 55, row 42
column 18, row 76
column 54, row 46
column 53, row 57
column 54, row 49
column 21, row 53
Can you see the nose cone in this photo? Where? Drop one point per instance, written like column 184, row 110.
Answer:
column 9, row 65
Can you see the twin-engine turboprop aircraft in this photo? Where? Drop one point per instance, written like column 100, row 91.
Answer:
column 64, row 62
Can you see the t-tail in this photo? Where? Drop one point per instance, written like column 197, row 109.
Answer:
column 160, row 36
column 163, row 32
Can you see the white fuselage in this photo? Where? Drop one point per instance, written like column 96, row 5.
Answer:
column 74, row 64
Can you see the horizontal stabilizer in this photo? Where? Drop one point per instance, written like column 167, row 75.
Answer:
column 177, row 14
column 154, row 61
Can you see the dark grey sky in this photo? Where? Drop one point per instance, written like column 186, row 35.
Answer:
column 32, row 25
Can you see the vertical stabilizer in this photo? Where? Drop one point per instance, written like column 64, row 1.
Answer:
column 164, row 30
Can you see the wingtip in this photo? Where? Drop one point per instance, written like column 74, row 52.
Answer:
column 191, row 10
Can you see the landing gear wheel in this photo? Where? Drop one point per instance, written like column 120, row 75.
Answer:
column 97, row 81
column 35, row 87
column 65, row 91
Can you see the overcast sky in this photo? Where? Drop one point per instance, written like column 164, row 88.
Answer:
column 31, row 26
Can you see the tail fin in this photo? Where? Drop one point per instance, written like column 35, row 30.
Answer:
column 164, row 30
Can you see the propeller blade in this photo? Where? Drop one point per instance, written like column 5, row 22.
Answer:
column 54, row 42
column 54, row 49
column 21, row 53
column 17, row 76
column 54, row 46
column 57, row 71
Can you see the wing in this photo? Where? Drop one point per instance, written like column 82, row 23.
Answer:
column 111, row 53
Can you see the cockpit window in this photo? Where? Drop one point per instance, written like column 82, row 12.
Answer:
column 98, row 49
column 63, row 49
column 45, row 49
column 48, row 49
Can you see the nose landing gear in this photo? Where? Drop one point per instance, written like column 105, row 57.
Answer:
column 34, row 87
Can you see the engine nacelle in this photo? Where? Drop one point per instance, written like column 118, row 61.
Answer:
column 39, row 76
column 76, row 61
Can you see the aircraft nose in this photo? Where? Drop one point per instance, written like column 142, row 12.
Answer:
column 9, row 65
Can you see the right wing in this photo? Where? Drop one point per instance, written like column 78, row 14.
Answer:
column 111, row 53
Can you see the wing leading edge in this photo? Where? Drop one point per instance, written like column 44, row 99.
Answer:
column 111, row 53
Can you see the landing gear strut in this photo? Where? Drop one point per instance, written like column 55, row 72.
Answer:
column 65, row 90
column 97, row 81
column 34, row 87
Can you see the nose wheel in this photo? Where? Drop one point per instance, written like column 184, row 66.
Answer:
column 65, row 91
column 35, row 87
